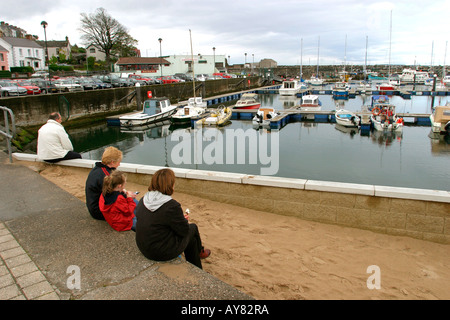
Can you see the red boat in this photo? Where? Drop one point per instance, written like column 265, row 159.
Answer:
column 248, row 101
column 385, row 87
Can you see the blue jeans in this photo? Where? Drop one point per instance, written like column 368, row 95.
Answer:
column 133, row 227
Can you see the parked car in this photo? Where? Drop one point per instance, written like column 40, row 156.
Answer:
column 67, row 85
column 46, row 86
column 168, row 79
column 147, row 80
column 201, row 77
column 31, row 88
column 156, row 80
column 112, row 80
column 221, row 75
column 8, row 89
column 40, row 74
column 100, row 84
column 183, row 76
column 86, row 83
column 133, row 82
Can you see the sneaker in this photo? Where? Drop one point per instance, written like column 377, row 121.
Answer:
column 205, row 253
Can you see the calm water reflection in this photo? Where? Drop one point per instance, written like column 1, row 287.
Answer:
column 318, row 151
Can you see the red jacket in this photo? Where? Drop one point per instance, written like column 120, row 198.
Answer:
column 118, row 210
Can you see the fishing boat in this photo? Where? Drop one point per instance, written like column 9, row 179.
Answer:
column 154, row 110
column 310, row 103
column 347, row 118
column 384, row 118
column 314, row 81
column 413, row 76
column 290, row 88
column 248, row 101
column 340, row 90
column 196, row 108
column 218, row 118
column 440, row 119
column 263, row 116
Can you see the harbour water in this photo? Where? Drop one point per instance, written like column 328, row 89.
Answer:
column 305, row 150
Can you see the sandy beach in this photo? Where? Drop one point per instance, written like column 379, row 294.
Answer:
column 277, row 257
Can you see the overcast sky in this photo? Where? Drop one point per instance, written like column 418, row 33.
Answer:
column 260, row 28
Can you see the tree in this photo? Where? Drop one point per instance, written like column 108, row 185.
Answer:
column 105, row 33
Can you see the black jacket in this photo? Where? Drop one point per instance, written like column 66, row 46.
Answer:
column 93, row 189
column 163, row 234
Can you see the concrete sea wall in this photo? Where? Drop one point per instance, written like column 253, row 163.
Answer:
column 416, row 213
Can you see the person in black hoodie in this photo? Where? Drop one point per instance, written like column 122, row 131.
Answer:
column 163, row 232
column 111, row 159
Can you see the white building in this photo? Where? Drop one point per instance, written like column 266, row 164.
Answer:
column 23, row 52
column 203, row 64
column 93, row 51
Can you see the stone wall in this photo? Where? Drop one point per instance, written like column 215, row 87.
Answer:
column 34, row 110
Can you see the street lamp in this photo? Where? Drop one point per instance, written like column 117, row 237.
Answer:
column 245, row 62
column 160, row 57
column 214, row 63
column 44, row 24
column 253, row 63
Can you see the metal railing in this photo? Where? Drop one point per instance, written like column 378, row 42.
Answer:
column 9, row 134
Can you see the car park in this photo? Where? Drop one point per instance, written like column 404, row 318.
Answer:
column 8, row 89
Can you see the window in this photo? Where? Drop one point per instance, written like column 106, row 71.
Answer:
column 2, row 58
column 29, row 52
column 22, row 63
column 92, row 50
column 20, row 52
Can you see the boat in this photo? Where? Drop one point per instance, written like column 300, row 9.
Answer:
column 384, row 118
column 413, row 76
column 290, row 88
column 248, row 101
column 347, row 118
column 440, row 119
column 314, row 81
column 219, row 118
column 364, row 88
column 263, row 116
column 310, row 103
column 340, row 90
column 386, row 86
column 446, row 81
column 154, row 110
column 196, row 108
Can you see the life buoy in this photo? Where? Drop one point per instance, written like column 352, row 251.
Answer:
column 376, row 111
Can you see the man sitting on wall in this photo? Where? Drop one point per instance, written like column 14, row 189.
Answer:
column 53, row 143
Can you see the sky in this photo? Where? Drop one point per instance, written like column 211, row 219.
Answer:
column 291, row 32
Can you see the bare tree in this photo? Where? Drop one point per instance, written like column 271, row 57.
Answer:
column 105, row 33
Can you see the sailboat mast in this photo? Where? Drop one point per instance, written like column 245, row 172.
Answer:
column 365, row 61
column 192, row 61
column 390, row 44
column 301, row 59
column 318, row 48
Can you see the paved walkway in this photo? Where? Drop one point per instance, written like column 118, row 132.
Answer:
column 46, row 234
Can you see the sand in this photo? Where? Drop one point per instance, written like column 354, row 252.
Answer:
column 277, row 257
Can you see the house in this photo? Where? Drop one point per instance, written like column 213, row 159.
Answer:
column 57, row 48
column 8, row 30
column 93, row 51
column 144, row 65
column 23, row 52
column 4, row 66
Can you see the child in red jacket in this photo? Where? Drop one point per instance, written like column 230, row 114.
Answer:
column 116, row 204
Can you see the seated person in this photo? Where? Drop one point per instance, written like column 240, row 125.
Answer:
column 163, row 232
column 53, row 142
column 118, row 204
column 111, row 159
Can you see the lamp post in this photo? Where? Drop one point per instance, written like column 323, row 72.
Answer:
column 160, row 57
column 245, row 61
column 214, row 63
column 253, row 63
column 44, row 24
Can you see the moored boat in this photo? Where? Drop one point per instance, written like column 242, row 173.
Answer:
column 219, row 118
column 290, row 87
column 154, row 110
column 384, row 118
column 440, row 119
column 347, row 118
column 248, row 101
column 340, row 90
column 263, row 116
column 196, row 108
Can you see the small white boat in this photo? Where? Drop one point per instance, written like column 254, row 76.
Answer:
column 263, row 116
column 347, row 118
column 290, row 87
column 154, row 110
column 365, row 88
column 196, row 108
column 440, row 119
column 314, row 81
column 340, row 90
column 384, row 118
column 310, row 103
